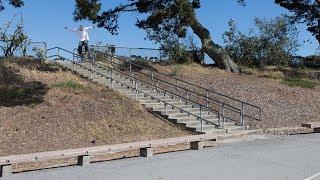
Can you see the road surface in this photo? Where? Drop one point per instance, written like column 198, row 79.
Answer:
column 291, row 157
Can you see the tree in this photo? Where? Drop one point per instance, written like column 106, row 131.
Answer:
column 12, row 37
column 172, row 16
column 305, row 11
column 14, row 3
column 274, row 44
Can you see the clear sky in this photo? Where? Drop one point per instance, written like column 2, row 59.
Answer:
column 45, row 21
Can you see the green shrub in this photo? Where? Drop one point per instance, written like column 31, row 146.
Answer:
column 295, row 81
column 70, row 85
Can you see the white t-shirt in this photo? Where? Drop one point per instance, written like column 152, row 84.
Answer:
column 83, row 35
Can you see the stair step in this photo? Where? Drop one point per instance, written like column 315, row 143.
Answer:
column 149, row 97
column 185, row 114
column 228, row 129
column 205, row 127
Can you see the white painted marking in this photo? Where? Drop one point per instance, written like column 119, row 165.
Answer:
column 313, row 177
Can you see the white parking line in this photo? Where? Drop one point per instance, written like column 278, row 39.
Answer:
column 313, row 177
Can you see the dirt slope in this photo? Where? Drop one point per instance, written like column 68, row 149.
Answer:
column 281, row 105
column 44, row 108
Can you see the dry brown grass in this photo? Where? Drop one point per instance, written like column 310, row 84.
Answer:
column 72, row 117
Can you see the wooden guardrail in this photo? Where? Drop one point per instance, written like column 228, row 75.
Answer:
column 83, row 154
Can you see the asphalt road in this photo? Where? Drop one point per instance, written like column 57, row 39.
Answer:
column 292, row 157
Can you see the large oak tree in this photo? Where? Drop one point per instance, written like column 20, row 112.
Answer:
column 173, row 16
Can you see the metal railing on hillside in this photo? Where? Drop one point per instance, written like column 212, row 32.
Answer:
column 244, row 109
column 134, row 86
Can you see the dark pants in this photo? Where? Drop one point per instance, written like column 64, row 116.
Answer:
column 86, row 47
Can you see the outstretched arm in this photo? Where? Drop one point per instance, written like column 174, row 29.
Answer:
column 71, row 29
column 90, row 27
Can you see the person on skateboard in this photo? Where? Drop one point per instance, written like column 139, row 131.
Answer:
column 84, row 39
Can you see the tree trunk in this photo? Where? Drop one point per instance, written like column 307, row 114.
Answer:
column 213, row 50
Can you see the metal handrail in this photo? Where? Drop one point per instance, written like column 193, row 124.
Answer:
column 205, row 89
column 186, row 99
column 223, row 105
column 159, row 88
column 189, row 83
column 164, row 101
column 179, row 87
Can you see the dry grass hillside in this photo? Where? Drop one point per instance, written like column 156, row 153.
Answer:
column 283, row 102
column 44, row 108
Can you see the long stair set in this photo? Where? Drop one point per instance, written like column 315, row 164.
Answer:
column 181, row 109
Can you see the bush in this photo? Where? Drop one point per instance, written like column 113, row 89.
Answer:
column 273, row 44
column 312, row 62
column 295, row 81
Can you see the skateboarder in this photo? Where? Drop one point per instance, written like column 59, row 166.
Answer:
column 84, row 39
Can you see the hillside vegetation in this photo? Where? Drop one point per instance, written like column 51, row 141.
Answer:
column 44, row 108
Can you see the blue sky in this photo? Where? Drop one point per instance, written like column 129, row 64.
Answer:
column 45, row 21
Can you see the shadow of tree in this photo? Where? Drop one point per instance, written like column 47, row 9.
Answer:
column 16, row 91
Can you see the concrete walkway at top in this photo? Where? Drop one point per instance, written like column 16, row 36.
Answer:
column 291, row 157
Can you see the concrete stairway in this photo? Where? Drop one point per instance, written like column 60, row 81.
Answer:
column 154, row 100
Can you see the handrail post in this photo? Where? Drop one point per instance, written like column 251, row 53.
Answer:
column 136, row 87
column 91, row 69
column 223, row 112
column 187, row 100
column 130, row 70
column 59, row 53
column 241, row 115
column 201, row 118
column 207, row 98
column 259, row 114
column 165, row 103
column 111, row 79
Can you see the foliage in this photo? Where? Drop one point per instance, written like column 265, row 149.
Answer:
column 14, row 3
column 296, row 81
column 12, row 37
column 70, row 85
column 173, row 17
column 305, row 11
column 312, row 61
column 162, row 14
column 273, row 44
column 173, row 49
